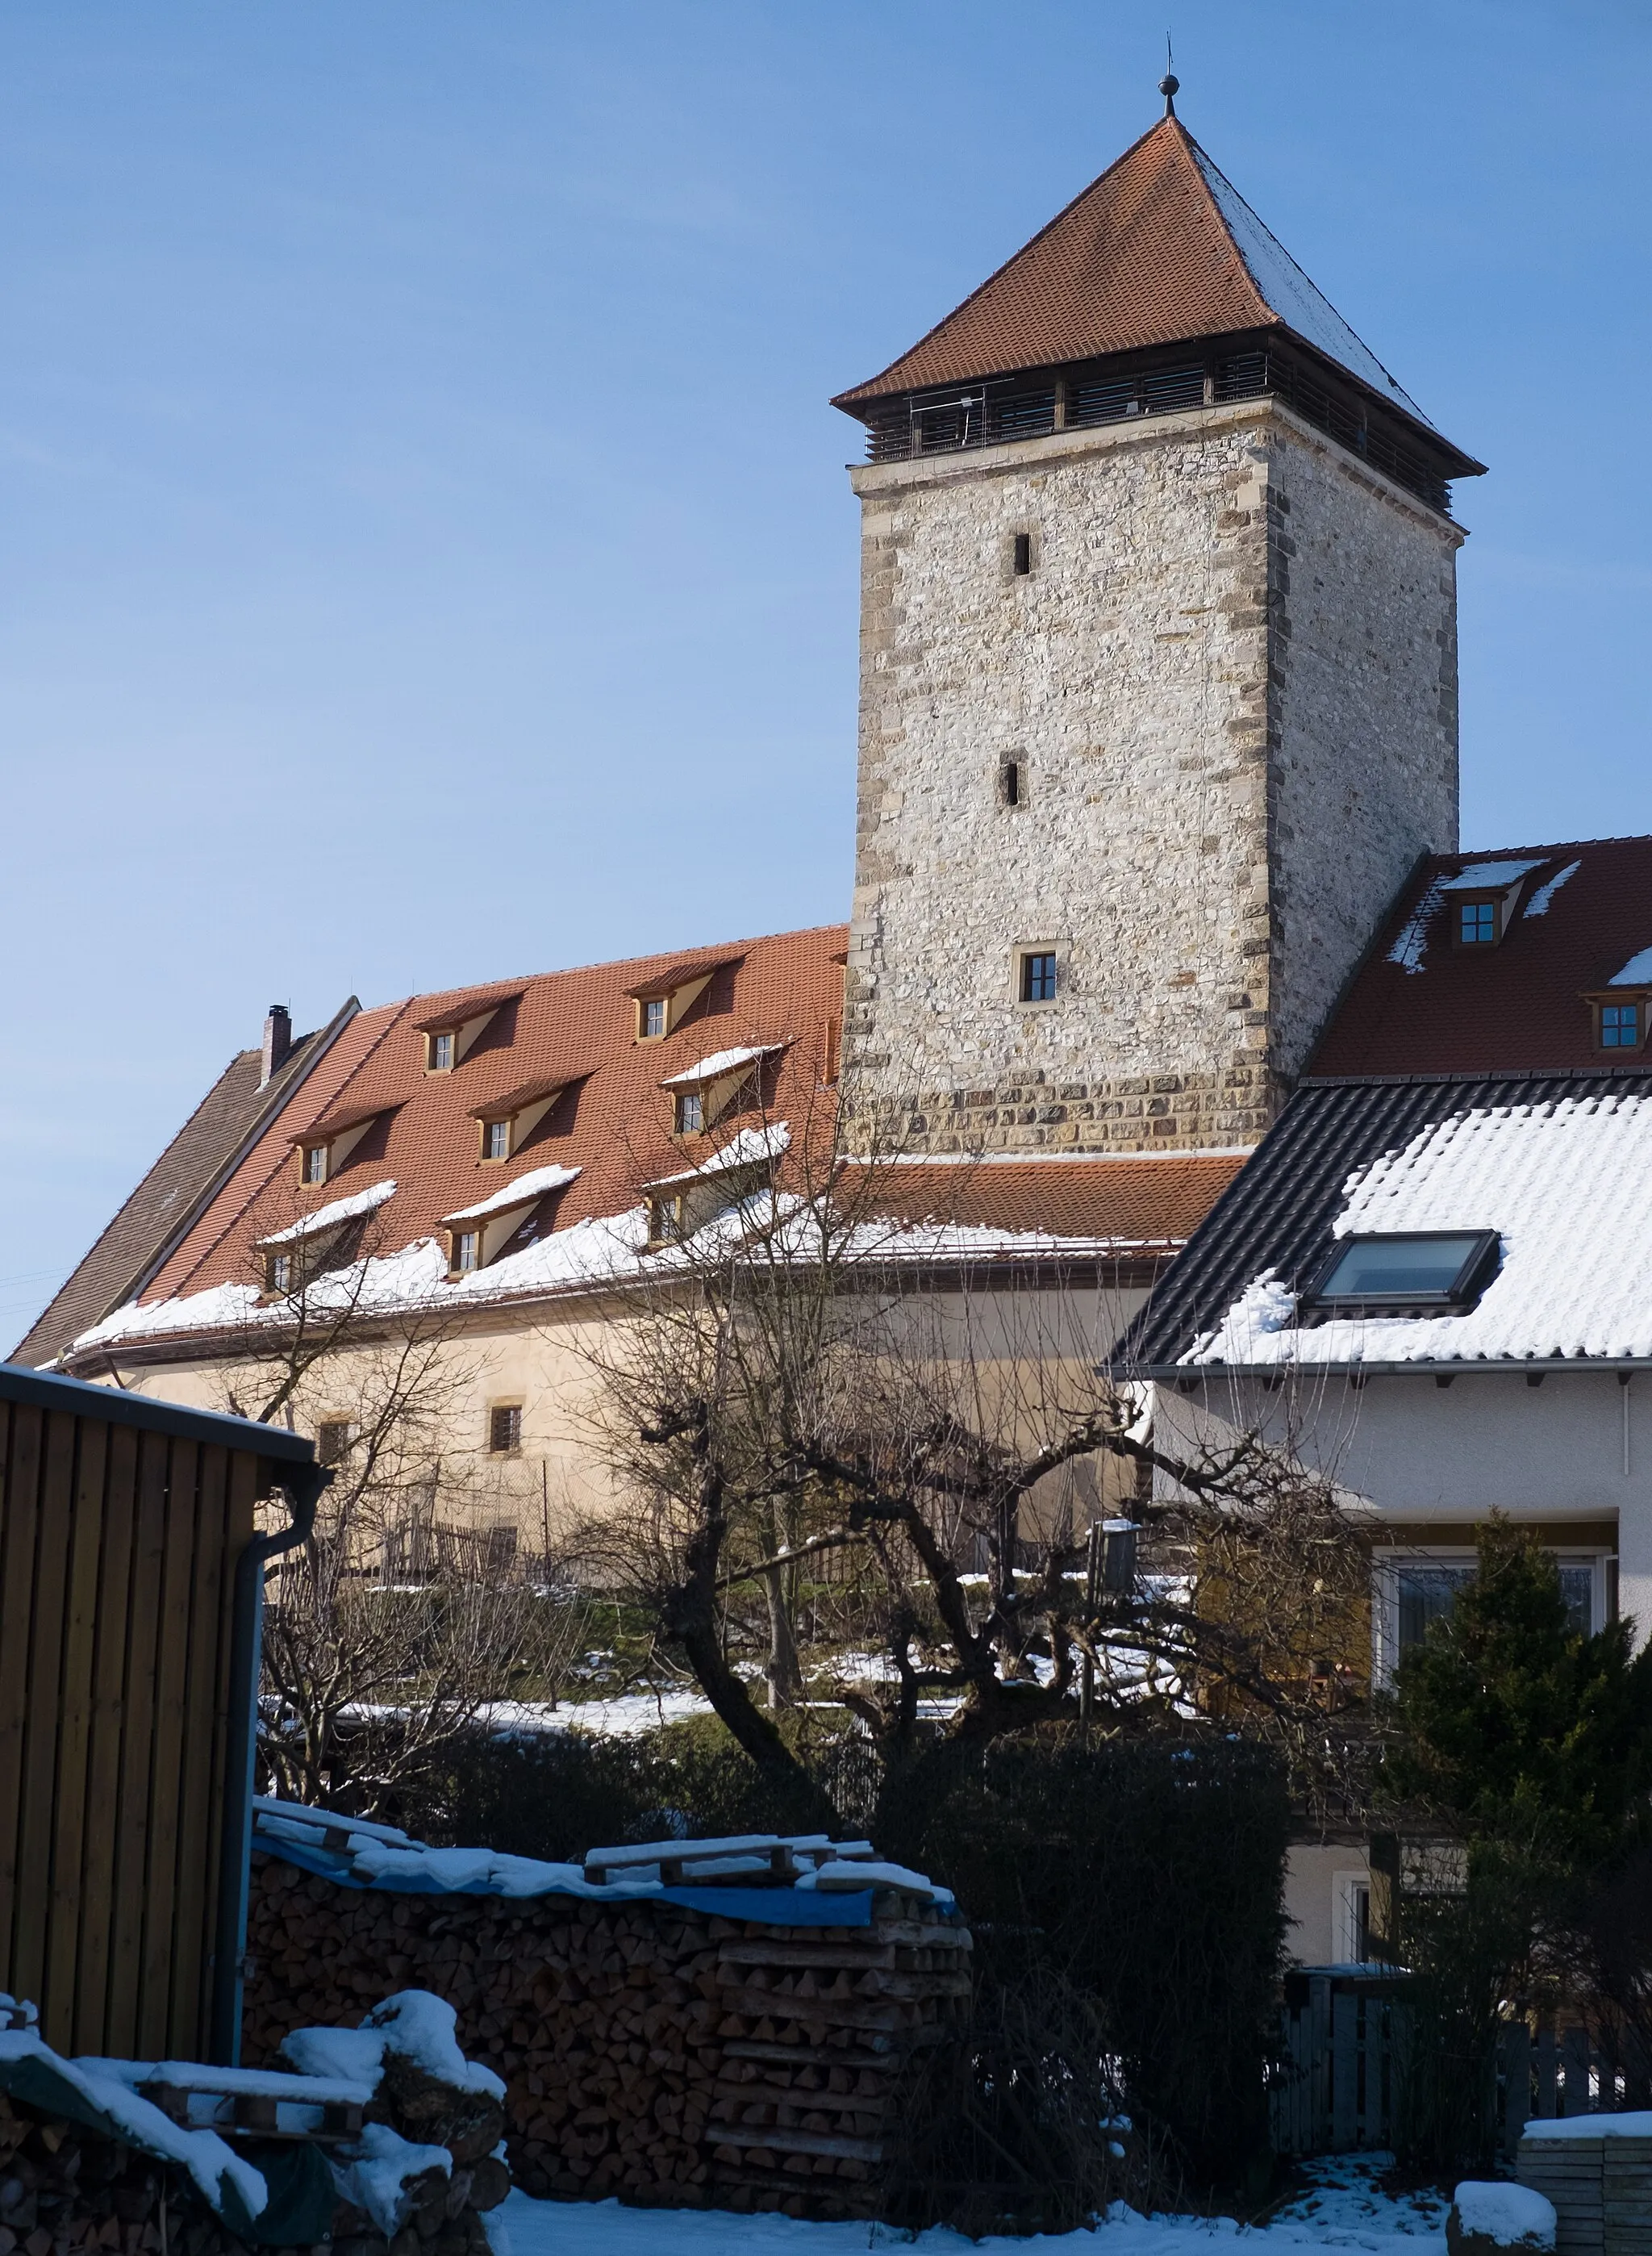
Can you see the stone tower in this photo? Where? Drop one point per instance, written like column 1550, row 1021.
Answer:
column 1158, row 679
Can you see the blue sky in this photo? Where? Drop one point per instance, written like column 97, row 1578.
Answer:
column 424, row 548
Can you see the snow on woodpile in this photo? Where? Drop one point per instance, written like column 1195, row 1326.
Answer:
column 1568, row 1188
column 1489, row 2217
column 399, row 2132
column 667, row 2044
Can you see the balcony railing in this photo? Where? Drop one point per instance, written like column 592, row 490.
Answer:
column 994, row 414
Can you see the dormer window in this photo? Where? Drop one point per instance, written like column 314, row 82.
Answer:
column 506, row 1123
column 1406, row 1272
column 453, row 1032
column 506, row 1223
column 664, row 1002
column 329, row 1238
column 1622, row 1009
column 325, row 1145
column 279, row 1272
column 1484, row 897
column 703, row 1094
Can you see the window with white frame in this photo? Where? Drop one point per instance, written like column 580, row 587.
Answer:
column 1414, row 1588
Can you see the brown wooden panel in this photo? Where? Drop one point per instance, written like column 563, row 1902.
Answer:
column 132, row 1811
column 249, row 1479
column 39, row 1802
column 71, row 1836
column 106, row 1733
column 171, row 1678
column 194, row 1898
column 17, row 1529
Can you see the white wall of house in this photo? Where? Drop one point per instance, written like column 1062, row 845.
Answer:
column 1578, row 1448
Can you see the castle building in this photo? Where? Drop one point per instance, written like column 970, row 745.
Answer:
column 1158, row 679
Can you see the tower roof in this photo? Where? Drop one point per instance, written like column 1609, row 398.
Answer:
column 1159, row 250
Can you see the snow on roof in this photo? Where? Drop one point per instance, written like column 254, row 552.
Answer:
column 325, row 1217
column 1538, row 905
column 721, row 1061
column 1637, row 972
column 520, row 1193
column 1483, row 877
column 1567, row 1186
column 1298, row 302
column 749, row 1149
column 1412, row 941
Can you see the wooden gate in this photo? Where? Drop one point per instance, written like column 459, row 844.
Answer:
column 127, row 1674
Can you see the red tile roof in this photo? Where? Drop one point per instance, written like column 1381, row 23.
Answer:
column 1151, row 1202
column 468, row 1002
column 615, row 1126
column 660, row 983
column 339, row 1123
column 1141, row 258
column 514, row 1100
column 1517, row 1007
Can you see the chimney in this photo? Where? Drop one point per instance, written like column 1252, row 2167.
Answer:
column 277, row 1041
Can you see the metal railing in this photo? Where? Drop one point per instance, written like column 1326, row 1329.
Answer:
column 996, row 413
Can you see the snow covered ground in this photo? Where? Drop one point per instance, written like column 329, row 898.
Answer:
column 1344, row 2209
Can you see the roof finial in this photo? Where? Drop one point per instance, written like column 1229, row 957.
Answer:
column 1170, row 85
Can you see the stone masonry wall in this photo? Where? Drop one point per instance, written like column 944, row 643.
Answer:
column 1221, row 684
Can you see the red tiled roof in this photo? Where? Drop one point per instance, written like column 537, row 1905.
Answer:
column 677, row 975
column 1517, row 1007
column 468, row 1002
column 1141, row 258
column 339, row 1123
column 1151, row 1202
column 549, row 1084
column 617, row 1131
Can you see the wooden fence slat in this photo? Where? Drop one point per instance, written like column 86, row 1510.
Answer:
column 1546, row 2070
column 107, row 1727
column 132, row 1818
column 79, row 1631
column 1344, row 2117
column 19, row 1504
column 38, row 1799
column 171, row 1678
column 201, row 1777
column 1575, row 2054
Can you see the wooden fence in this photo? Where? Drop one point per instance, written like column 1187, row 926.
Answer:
column 127, row 1671
column 1344, row 2049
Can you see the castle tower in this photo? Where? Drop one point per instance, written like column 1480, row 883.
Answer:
column 1158, row 686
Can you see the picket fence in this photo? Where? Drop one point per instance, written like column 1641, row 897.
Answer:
column 1345, row 2036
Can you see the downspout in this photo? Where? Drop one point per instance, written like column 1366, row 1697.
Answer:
column 302, row 1489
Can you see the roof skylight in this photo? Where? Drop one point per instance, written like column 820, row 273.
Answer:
column 1384, row 1275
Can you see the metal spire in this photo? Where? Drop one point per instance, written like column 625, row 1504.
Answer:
column 1170, row 85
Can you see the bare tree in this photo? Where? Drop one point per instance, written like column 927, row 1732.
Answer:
column 791, row 1387
column 413, row 1607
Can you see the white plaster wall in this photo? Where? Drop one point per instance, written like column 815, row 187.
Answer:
column 1409, row 1450
column 1311, row 1874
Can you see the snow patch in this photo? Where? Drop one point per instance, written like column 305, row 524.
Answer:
column 1412, row 942
column 520, row 1193
column 1486, row 877
column 1538, row 905
column 1508, row 2216
column 721, row 1062
column 379, row 2171
column 750, row 1149
column 1637, row 972
column 325, row 1217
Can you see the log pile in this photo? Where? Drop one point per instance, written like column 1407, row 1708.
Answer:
column 63, row 2189
column 664, row 2054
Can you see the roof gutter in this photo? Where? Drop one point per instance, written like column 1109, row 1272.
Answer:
column 301, row 1486
column 1188, row 1375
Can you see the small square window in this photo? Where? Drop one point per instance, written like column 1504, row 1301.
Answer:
column 495, row 1139
column 1023, row 554
column 654, row 1016
column 691, row 1111
column 1038, row 978
column 441, row 1052
column 1477, row 924
column 280, row 1272
column 332, row 1440
column 315, row 1163
column 467, row 1251
column 665, row 1217
column 504, row 1429
column 1620, row 1026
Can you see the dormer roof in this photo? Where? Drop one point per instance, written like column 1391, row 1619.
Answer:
column 1161, row 249
column 468, row 1002
column 1418, row 1005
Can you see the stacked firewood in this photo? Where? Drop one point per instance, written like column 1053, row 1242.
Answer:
column 64, row 2187
column 660, row 2054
